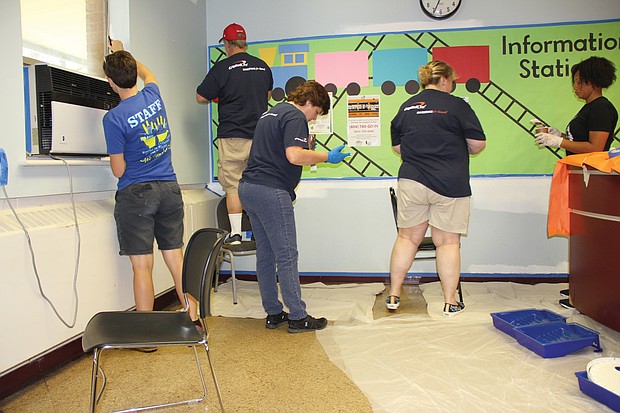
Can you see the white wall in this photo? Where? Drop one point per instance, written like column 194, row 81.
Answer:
column 104, row 280
column 285, row 19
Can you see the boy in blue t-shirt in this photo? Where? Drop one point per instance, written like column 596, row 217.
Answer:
column 149, row 204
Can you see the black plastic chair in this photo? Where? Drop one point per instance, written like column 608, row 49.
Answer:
column 426, row 245
column 140, row 329
column 229, row 252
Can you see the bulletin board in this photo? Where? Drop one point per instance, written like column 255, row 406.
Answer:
column 509, row 75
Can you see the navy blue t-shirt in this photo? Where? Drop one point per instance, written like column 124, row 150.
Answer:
column 431, row 128
column 241, row 84
column 600, row 115
column 279, row 128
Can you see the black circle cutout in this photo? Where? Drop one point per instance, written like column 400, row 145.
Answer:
column 277, row 94
column 353, row 89
column 412, row 87
column 388, row 87
column 472, row 85
column 331, row 88
column 292, row 83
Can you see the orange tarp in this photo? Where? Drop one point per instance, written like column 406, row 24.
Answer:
column 559, row 214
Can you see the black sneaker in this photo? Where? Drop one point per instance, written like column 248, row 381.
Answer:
column 306, row 324
column 450, row 310
column 276, row 320
column 565, row 293
column 233, row 239
column 566, row 303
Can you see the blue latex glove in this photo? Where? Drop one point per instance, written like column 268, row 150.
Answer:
column 336, row 156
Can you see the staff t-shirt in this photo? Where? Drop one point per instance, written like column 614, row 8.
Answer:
column 138, row 128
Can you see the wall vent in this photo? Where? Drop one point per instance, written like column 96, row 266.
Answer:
column 52, row 216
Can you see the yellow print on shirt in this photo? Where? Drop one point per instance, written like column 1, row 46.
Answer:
column 150, row 128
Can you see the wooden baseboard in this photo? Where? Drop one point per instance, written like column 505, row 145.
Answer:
column 37, row 368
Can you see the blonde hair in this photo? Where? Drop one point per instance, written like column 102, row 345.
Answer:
column 431, row 73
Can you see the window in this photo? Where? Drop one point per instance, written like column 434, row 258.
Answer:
column 65, row 33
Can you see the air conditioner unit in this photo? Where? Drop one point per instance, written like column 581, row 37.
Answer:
column 65, row 110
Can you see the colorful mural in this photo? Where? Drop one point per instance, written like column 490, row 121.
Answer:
column 509, row 75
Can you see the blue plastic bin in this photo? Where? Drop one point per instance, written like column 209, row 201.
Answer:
column 556, row 339
column 507, row 321
column 598, row 393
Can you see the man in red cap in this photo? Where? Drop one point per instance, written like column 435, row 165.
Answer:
column 242, row 85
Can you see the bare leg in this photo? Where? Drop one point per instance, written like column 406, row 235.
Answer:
column 143, row 293
column 403, row 254
column 233, row 204
column 174, row 262
column 448, row 262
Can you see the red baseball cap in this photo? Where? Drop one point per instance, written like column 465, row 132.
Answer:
column 233, row 31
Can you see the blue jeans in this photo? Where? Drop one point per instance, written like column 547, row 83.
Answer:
column 273, row 226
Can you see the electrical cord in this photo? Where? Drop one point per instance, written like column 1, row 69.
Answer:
column 32, row 255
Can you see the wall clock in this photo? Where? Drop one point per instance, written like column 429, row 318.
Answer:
column 440, row 9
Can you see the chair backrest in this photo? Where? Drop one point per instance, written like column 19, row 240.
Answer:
column 199, row 265
column 221, row 216
column 394, row 201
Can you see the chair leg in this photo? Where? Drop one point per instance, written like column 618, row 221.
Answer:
column 218, row 264
column 202, row 379
column 234, row 278
column 460, row 291
column 93, row 380
column 217, row 386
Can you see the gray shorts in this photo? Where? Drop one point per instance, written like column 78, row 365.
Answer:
column 148, row 211
column 417, row 204
column 232, row 158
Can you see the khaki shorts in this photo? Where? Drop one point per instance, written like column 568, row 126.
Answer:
column 417, row 204
column 233, row 154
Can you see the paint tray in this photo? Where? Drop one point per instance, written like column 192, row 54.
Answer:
column 506, row 321
column 598, row 393
column 556, row 339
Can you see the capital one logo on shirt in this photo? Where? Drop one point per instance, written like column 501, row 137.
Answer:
column 240, row 63
column 417, row 105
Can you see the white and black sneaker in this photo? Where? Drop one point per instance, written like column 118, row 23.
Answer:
column 308, row 323
column 392, row 302
column 450, row 310
column 233, row 239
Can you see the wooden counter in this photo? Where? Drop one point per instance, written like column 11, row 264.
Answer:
column 594, row 261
